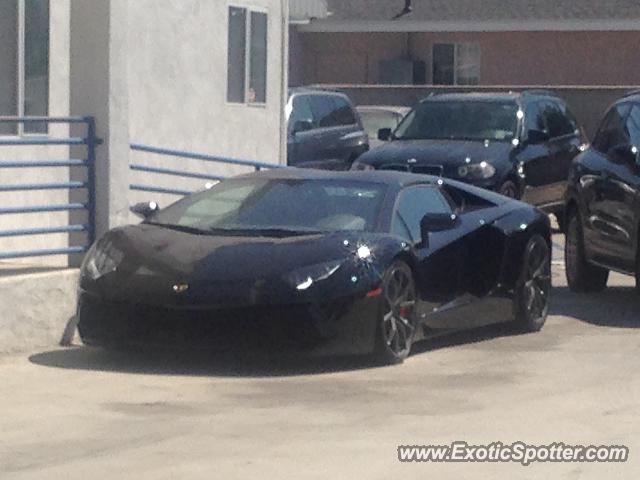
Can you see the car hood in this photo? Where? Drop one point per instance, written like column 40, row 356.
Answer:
column 436, row 152
column 219, row 267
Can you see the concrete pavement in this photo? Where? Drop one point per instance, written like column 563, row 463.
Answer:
column 81, row 413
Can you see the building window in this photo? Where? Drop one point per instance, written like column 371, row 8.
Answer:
column 247, row 56
column 24, row 61
column 456, row 64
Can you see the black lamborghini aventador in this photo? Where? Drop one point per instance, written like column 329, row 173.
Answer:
column 333, row 262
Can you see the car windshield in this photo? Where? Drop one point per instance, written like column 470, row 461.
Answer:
column 278, row 206
column 460, row 120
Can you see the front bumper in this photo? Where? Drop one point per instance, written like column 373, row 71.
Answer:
column 346, row 326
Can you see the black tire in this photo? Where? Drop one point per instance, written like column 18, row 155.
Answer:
column 396, row 324
column 531, row 301
column 509, row 189
column 581, row 275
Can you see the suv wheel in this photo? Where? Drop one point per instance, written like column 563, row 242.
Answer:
column 581, row 276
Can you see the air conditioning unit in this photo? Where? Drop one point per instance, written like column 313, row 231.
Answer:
column 402, row 72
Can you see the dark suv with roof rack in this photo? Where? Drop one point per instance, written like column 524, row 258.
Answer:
column 517, row 144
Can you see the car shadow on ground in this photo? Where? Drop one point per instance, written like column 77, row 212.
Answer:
column 238, row 363
column 617, row 307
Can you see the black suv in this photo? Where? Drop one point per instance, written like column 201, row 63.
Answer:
column 324, row 130
column 603, row 202
column 517, row 144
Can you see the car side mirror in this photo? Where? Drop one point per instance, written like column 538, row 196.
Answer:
column 536, row 137
column 626, row 153
column 384, row 134
column 145, row 209
column 436, row 222
column 302, row 126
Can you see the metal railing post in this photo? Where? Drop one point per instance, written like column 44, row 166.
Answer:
column 92, row 142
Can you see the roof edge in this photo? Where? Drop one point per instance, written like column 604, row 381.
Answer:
column 365, row 26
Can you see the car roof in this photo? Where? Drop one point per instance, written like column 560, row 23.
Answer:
column 314, row 91
column 492, row 96
column 473, row 96
column 633, row 96
column 387, row 177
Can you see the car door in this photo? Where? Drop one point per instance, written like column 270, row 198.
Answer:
column 446, row 261
column 479, row 249
column 302, row 144
column 564, row 146
column 595, row 222
column 546, row 164
column 438, row 272
column 329, row 131
column 535, row 156
column 616, row 200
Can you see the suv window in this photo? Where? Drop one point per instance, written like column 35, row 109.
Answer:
column 556, row 121
column 571, row 118
column 613, row 131
column 301, row 111
column 415, row 203
column 550, row 116
column 534, row 120
column 323, row 111
column 633, row 126
column 344, row 112
column 332, row 111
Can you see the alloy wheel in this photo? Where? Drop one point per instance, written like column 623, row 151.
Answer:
column 398, row 324
column 536, row 281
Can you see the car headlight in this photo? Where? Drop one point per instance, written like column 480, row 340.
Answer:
column 305, row 277
column 361, row 166
column 482, row 170
column 102, row 259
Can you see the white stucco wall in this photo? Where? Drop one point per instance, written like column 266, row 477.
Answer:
column 151, row 72
column 58, row 106
column 178, row 88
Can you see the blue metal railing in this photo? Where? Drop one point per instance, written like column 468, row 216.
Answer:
column 90, row 141
column 183, row 173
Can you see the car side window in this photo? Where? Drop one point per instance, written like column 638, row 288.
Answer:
column 571, row 118
column 613, row 130
column 323, row 108
column 301, row 111
column 465, row 201
column 633, row 126
column 413, row 205
column 344, row 112
column 534, row 120
column 556, row 121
